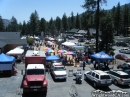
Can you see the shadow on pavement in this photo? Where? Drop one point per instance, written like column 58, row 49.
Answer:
column 100, row 88
column 123, row 86
column 35, row 94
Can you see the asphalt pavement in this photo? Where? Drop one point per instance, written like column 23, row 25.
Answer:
column 10, row 86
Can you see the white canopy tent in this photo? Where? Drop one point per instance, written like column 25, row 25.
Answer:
column 15, row 51
column 68, row 44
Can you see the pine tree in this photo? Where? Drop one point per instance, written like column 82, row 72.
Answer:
column 92, row 7
column 58, row 23
column 24, row 30
column 65, row 22
column 118, row 19
column 72, row 25
column 1, row 24
column 77, row 22
column 107, row 37
column 13, row 25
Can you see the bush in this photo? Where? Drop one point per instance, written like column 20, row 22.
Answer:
column 30, row 41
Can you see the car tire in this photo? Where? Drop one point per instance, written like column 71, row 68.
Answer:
column 95, row 85
column 115, row 82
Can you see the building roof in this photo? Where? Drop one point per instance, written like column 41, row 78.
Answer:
column 82, row 31
column 1, row 37
column 73, row 30
column 10, row 35
column 14, row 41
column 2, row 44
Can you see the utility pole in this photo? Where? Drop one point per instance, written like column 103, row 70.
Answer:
column 97, row 25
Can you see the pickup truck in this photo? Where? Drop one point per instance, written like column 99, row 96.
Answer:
column 58, row 71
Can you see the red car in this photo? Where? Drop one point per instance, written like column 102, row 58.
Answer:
column 122, row 57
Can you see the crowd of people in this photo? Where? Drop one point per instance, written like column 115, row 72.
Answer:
column 73, row 59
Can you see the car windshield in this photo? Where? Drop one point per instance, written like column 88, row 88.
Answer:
column 35, row 71
column 105, row 77
column 59, row 69
column 124, row 56
column 126, row 71
column 125, row 65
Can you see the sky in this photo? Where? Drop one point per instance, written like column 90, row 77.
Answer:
column 22, row 9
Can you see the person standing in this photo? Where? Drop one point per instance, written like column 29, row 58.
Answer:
column 84, row 64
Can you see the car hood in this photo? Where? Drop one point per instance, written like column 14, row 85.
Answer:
column 127, row 58
column 35, row 77
column 60, row 72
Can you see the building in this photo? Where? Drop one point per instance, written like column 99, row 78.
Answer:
column 10, row 40
column 71, row 32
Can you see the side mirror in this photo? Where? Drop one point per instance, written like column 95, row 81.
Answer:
column 65, row 68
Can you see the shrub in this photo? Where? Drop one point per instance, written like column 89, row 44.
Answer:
column 30, row 41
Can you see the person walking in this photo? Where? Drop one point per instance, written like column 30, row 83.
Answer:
column 84, row 64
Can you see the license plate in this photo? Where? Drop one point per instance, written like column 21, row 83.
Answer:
column 35, row 89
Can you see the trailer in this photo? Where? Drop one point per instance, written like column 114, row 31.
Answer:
column 35, row 57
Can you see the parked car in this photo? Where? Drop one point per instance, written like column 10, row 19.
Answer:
column 123, row 50
column 127, row 52
column 124, row 66
column 98, row 78
column 119, row 77
column 58, row 71
column 81, row 40
column 127, row 71
column 122, row 44
column 71, row 38
column 122, row 57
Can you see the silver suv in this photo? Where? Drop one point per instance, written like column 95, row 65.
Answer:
column 98, row 78
column 119, row 77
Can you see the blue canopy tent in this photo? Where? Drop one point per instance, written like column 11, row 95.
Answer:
column 79, row 47
column 102, row 56
column 52, row 58
column 6, row 59
column 6, row 62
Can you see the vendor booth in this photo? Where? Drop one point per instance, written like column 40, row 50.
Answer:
column 52, row 58
column 102, row 59
column 68, row 44
column 102, row 56
column 15, row 51
column 18, row 53
column 7, row 64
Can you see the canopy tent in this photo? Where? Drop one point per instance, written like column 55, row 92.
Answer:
column 69, row 53
column 79, row 47
column 6, row 59
column 51, row 58
column 6, row 66
column 68, row 43
column 15, row 51
column 62, row 51
column 102, row 56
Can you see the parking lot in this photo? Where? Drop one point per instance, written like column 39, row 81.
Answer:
column 10, row 86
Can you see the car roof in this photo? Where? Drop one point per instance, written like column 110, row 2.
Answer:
column 35, row 66
column 100, row 72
